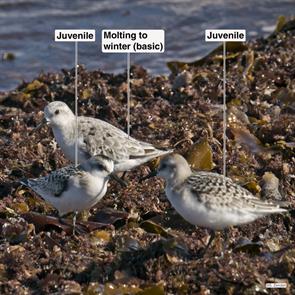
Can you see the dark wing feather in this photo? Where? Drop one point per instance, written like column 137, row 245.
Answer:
column 55, row 183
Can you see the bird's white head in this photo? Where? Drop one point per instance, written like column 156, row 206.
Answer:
column 99, row 166
column 174, row 169
column 58, row 113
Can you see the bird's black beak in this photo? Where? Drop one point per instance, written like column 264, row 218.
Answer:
column 118, row 179
column 40, row 125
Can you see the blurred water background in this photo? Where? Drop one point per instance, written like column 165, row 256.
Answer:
column 27, row 30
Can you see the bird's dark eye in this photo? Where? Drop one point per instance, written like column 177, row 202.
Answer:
column 100, row 166
column 163, row 166
column 56, row 112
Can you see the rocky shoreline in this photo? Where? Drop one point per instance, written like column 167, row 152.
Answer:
column 143, row 246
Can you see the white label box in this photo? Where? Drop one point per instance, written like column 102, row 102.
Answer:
column 74, row 36
column 225, row 35
column 133, row 41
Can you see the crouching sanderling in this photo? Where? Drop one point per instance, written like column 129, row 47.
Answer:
column 209, row 199
column 74, row 189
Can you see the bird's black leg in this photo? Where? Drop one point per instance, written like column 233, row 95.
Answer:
column 225, row 239
column 124, row 174
column 61, row 220
column 74, row 222
column 64, row 222
column 119, row 180
column 212, row 237
column 204, row 250
column 226, row 234
column 150, row 175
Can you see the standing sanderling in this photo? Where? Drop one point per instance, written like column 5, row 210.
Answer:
column 208, row 199
column 97, row 137
column 74, row 189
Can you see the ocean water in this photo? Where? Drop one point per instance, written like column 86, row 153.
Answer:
column 27, row 30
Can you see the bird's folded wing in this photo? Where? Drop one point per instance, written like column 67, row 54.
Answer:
column 57, row 181
column 214, row 191
column 99, row 137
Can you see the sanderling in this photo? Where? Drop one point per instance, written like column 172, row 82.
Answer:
column 97, row 137
column 209, row 199
column 74, row 189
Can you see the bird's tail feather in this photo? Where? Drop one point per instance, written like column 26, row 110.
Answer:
column 151, row 154
column 28, row 182
column 25, row 182
column 268, row 207
column 158, row 153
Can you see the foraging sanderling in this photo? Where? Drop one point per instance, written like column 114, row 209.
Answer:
column 209, row 199
column 97, row 137
column 74, row 189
